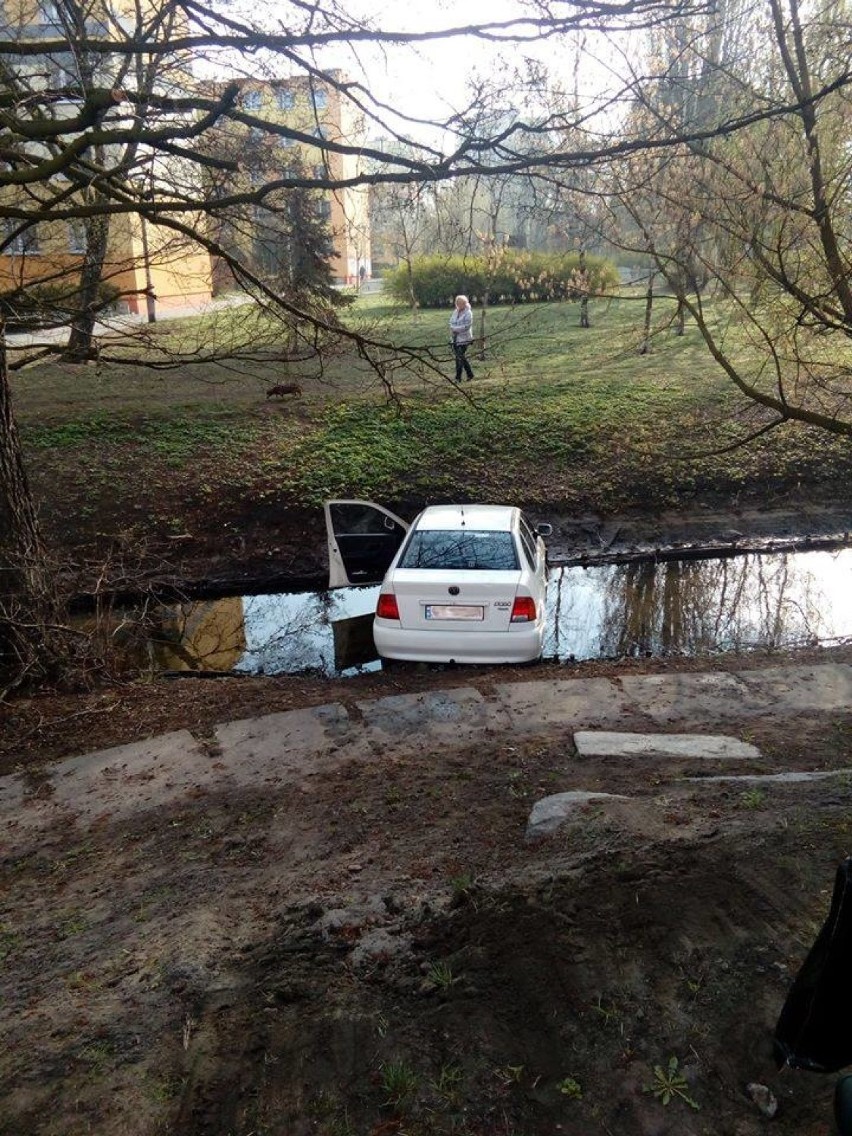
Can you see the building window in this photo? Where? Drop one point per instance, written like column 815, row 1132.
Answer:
column 320, row 100
column 24, row 243
column 324, row 209
column 252, row 100
column 320, row 132
column 320, row 171
column 286, row 99
column 76, row 236
column 286, row 140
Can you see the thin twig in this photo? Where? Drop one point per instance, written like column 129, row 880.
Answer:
column 60, row 721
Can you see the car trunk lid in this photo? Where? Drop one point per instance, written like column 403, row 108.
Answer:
column 471, row 604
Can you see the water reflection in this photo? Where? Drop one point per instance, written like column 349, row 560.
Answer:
column 330, row 632
column 688, row 607
column 680, row 607
column 325, row 631
column 208, row 636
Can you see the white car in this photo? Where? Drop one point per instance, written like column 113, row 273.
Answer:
column 462, row 584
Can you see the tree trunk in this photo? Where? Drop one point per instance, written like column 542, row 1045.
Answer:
column 28, row 603
column 645, row 345
column 79, row 347
column 680, row 316
column 584, row 295
column 412, row 296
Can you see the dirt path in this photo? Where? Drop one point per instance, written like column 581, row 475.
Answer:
column 369, row 944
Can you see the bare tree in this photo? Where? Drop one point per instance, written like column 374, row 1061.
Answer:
column 764, row 215
column 114, row 114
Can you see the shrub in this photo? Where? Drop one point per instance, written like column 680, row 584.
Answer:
column 513, row 276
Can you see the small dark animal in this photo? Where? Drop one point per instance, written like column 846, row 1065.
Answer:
column 283, row 388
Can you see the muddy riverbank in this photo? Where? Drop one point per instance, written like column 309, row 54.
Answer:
column 266, row 550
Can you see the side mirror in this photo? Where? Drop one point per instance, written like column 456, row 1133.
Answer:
column 544, row 530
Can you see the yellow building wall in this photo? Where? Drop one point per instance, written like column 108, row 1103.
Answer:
column 153, row 261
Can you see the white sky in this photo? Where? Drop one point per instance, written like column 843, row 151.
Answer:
column 431, row 80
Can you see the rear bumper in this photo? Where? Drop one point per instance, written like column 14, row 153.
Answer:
column 522, row 643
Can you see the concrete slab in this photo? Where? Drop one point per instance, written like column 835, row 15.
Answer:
column 607, row 743
column 666, row 697
column 804, row 688
column 550, row 813
column 111, row 783
column 276, row 747
column 454, row 716
column 535, row 707
column 790, row 777
column 12, row 795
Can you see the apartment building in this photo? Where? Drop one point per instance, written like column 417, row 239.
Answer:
column 309, row 114
column 147, row 266
column 151, row 267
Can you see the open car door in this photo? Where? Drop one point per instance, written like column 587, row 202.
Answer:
column 363, row 539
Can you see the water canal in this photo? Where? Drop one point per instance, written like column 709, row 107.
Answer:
column 642, row 608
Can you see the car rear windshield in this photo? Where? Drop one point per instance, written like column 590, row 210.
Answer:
column 458, row 551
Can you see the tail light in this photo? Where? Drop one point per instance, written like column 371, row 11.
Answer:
column 523, row 610
column 387, row 607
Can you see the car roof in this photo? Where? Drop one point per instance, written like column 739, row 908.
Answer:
column 489, row 518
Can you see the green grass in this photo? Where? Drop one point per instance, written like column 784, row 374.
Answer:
column 558, row 416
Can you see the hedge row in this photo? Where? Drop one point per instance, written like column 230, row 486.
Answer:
column 515, row 277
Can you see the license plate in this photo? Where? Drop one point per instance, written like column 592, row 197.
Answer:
column 454, row 611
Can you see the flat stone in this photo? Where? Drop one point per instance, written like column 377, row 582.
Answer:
column 604, row 743
column 790, row 777
column 12, row 795
column 535, row 707
column 113, row 783
column 550, row 813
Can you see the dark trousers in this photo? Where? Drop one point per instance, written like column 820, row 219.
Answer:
column 461, row 361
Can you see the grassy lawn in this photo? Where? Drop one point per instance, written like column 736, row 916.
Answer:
column 558, row 416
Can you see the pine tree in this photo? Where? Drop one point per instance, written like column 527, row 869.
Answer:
column 309, row 248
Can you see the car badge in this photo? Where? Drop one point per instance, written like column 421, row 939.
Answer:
column 454, row 591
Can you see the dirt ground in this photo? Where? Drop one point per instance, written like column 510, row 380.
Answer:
column 376, row 949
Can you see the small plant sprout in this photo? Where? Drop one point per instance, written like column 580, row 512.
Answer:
column 510, row 1074
column 441, row 975
column 448, row 1083
column 669, row 1083
column 606, row 1012
column 399, row 1082
column 460, row 885
column 752, row 798
column 570, row 1088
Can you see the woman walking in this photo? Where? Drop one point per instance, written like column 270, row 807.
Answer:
column 461, row 329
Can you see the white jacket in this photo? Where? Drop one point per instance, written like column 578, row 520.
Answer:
column 461, row 325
